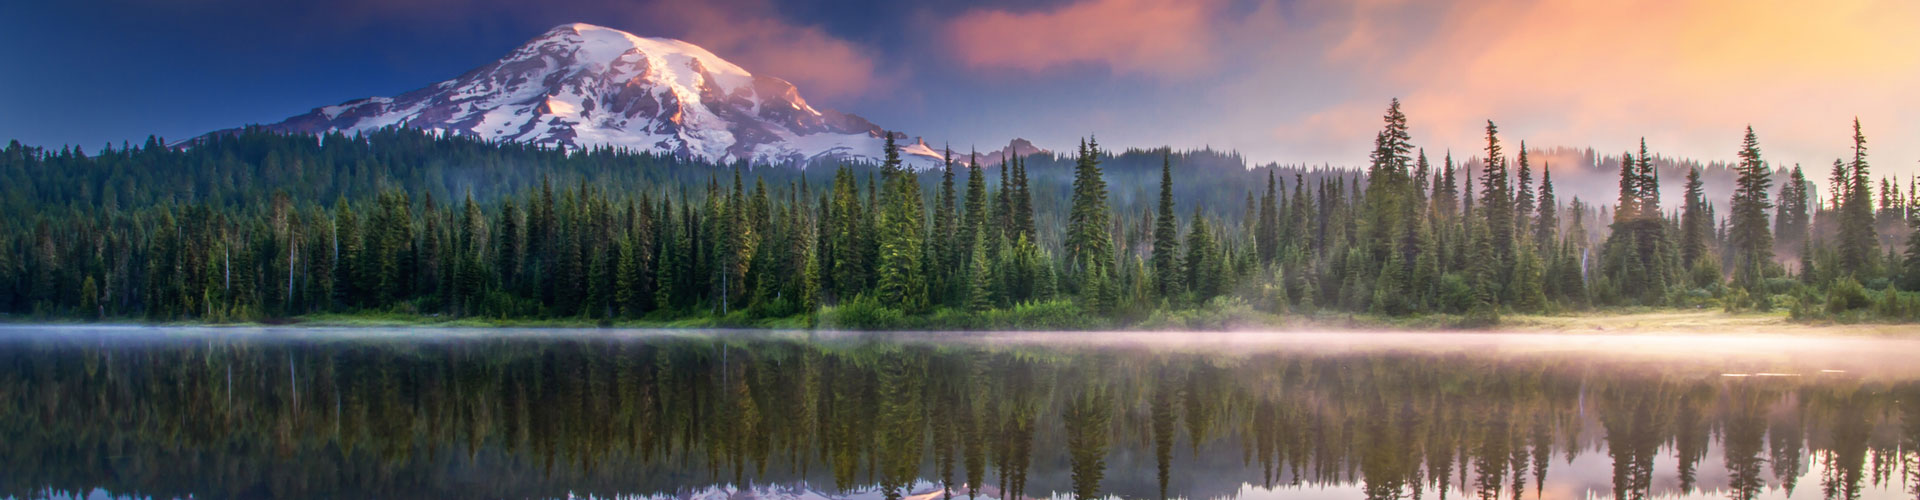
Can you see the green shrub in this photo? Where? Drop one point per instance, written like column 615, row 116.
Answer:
column 1736, row 300
column 1846, row 295
column 862, row 313
column 1455, row 295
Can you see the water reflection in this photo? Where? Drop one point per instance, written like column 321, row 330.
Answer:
column 243, row 416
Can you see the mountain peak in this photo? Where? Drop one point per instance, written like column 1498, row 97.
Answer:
column 1016, row 148
column 580, row 85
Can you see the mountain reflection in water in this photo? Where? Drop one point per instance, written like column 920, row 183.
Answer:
column 211, row 414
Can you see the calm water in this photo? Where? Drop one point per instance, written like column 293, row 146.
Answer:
column 226, row 413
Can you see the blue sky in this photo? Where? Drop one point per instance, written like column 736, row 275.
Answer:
column 1293, row 81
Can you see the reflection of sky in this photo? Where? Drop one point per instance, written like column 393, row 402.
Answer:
column 1217, row 470
column 1729, row 353
column 1590, row 475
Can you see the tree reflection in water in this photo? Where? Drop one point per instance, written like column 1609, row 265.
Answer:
column 498, row 417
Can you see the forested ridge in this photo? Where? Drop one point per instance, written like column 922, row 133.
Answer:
column 255, row 226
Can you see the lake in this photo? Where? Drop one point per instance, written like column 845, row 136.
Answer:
column 96, row 412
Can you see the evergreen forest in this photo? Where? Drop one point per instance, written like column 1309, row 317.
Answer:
column 255, row 226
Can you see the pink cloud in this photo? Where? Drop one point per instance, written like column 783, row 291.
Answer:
column 750, row 33
column 1154, row 37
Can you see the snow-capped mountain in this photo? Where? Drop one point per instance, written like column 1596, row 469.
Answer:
column 581, row 86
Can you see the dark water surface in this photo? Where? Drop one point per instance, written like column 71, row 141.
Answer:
column 290, row 413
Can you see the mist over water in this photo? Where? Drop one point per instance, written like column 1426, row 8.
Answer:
column 400, row 413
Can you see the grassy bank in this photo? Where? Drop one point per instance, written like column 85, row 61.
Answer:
column 1218, row 315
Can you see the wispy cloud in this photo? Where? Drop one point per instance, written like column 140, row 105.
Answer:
column 1168, row 38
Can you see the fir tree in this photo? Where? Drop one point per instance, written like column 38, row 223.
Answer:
column 1547, row 223
column 846, row 222
column 1022, row 200
column 1166, row 236
column 942, row 244
column 1749, row 236
column 902, row 281
column 1523, row 203
column 1693, row 221
column 979, row 277
column 1649, row 179
column 1200, row 259
column 1910, row 265
column 469, row 277
column 1088, row 243
column 974, row 221
column 1449, row 198
column 1857, row 239
column 1790, row 222
column 1267, row 229
column 1527, row 285
column 1628, row 206
column 1497, row 197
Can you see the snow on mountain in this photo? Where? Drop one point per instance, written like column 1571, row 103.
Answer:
column 581, row 86
column 1017, row 147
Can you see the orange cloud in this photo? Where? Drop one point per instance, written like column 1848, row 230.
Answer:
column 1686, row 74
column 1155, row 37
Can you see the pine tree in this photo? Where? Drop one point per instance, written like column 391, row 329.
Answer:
column 1166, row 236
column 1200, row 259
column 90, row 300
column 1088, row 242
column 1841, row 183
column 846, row 224
column 902, row 279
column 666, row 275
column 470, row 277
column 1857, row 239
column 1527, row 284
column 942, row 245
column 428, row 279
column 1638, row 256
column 1267, row 230
column 1388, row 187
column 541, row 242
column 1497, row 197
column 1791, row 220
column 1485, row 303
column 1547, row 223
column 1466, row 195
column 973, row 222
column 1448, row 199
column 1649, row 178
column 1628, row 206
column 349, row 268
column 1523, row 203
column 631, row 295
column 507, row 257
column 1751, row 240
column 1911, row 263
column 1693, row 222
column 980, row 277
column 1003, row 206
column 1022, row 201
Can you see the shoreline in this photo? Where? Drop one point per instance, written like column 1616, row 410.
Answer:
column 1637, row 322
